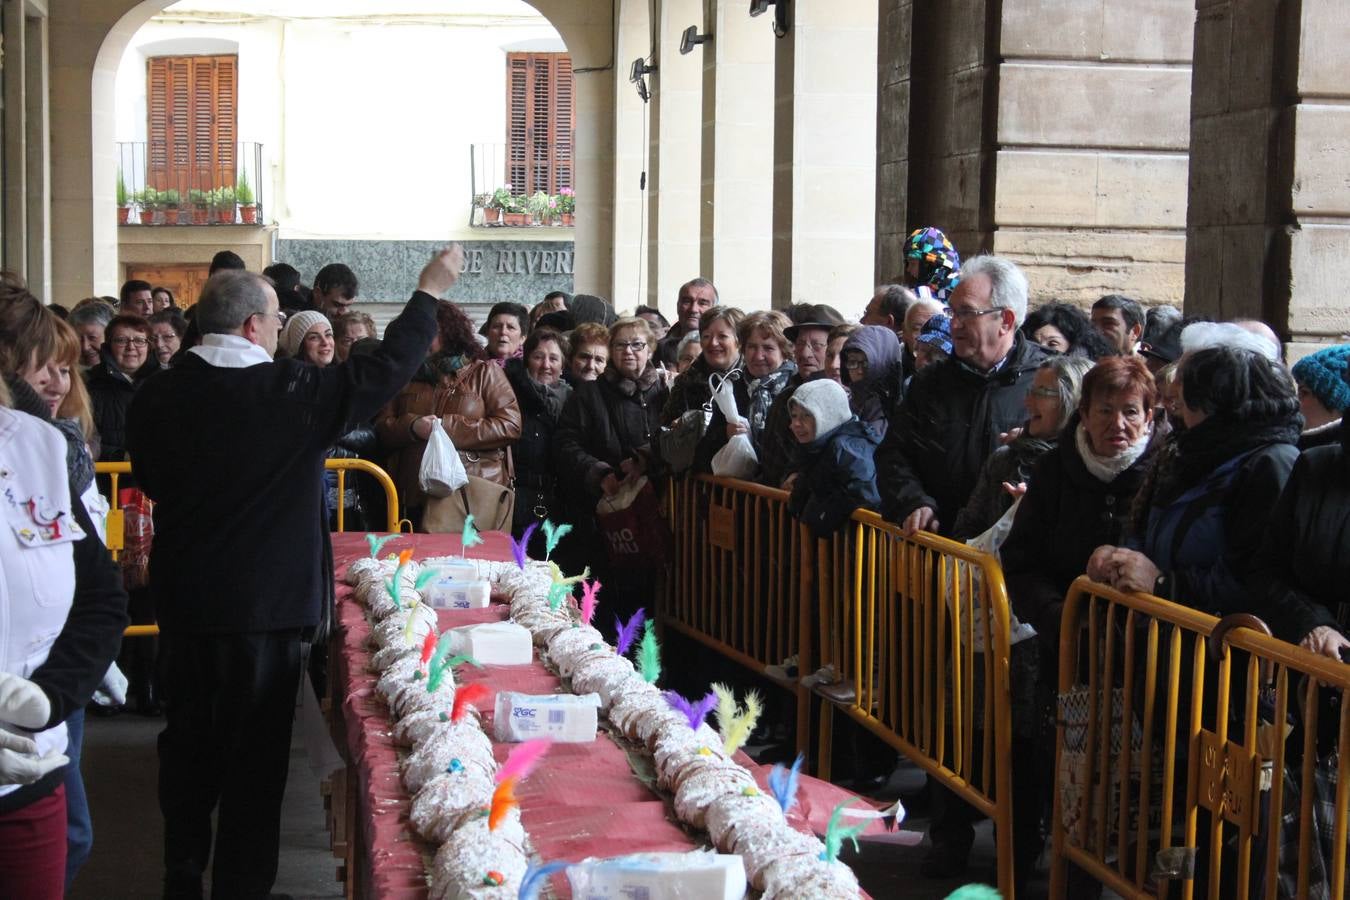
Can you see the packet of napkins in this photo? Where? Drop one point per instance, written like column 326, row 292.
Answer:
column 699, row 875
column 493, row 643
column 566, row 718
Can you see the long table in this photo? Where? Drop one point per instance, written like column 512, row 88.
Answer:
column 583, row 800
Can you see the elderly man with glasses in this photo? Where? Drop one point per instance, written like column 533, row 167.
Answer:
column 241, row 573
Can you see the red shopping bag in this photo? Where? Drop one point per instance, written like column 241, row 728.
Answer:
column 635, row 533
column 138, row 529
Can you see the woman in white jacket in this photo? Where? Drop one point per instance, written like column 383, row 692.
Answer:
column 62, row 611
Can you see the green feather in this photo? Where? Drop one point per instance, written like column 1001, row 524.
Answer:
column 837, row 833
column 391, row 585
column 425, row 577
column 377, row 543
column 469, row 537
column 650, row 655
column 975, row 892
column 556, row 592
column 552, row 535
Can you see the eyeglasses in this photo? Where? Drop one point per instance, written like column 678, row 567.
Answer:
column 817, row 346
column 859, row 364
column 966, row 313
column 129, row 341
column 280, row 316
column 635, row 346
column 1047, row 393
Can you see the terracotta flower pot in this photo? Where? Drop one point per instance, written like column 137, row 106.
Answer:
column 568, row 219
column 517, row 218
column 225, row 216
column 248, row 214
column 123, row 215
column 171, row 215
column 491, row 214
column 147, row 217
column 201, row 215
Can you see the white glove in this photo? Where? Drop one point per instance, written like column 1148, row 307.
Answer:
column 23, row 703
column 112, row 691
column 19, row 762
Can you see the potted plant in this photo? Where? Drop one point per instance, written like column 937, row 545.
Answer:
column 223, row 204
column 567, row 205
column 540, row 206
column 123, row 200
column 148, row 201
column 516, row 212
column 501, row 202
column 484, row 202
column 248, row 206
column 201, row 206
column 169, row 201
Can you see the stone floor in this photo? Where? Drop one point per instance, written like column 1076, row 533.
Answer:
column 120, row 770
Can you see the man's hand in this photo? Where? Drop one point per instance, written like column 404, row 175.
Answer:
column 421, row 428
column 1133, row 571
column 1007, row 437
column 19, row 762
column 610, row 484
column 23, row 703
column 1099, row 567
column 922, row 519
column 442, row 272
column 1325, row 640
column 632, row 467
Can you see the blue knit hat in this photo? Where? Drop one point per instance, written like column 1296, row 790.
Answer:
column 938, row 332
column 1324, row 373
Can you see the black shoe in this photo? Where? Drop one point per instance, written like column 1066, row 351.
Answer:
column 98, row 710
column 944, row 861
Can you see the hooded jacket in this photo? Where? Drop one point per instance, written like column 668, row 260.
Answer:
column 874, row 394
column 1303, row 569
column 837, row 474
column 948, row 425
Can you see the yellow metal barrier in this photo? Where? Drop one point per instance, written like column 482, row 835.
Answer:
column 1170, row 766
column 899, row 619
column 917, row 630
column 115, row 470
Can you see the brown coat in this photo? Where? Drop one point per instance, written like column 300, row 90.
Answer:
column 479, row 411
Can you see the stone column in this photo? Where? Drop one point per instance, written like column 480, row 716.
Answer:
column 629, row 136
column 893, row 115
column 1269, row 220
column 736, row 214
column 824, row 155
column 38, row 165
column 16, row 130
column 673, row 155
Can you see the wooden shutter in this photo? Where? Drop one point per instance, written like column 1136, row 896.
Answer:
column 192, row 107
column 540, row 120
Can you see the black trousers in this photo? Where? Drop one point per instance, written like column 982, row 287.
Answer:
column 229, row 704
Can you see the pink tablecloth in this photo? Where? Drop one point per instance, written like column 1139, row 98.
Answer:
column 583, row 800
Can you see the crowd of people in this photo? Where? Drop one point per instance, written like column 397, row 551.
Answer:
column 1141, row 447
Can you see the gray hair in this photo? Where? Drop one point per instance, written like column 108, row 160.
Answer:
column 701, row 282
column 896, row 300
column 1008, row 284
column 690, row 337
column 90, row 314
column 1069, row 372
column 1206, row 335
column 228, row 299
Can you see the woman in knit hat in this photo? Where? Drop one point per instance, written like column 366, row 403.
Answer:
column 836, row 474
column 308, row 336
column 1323, row 395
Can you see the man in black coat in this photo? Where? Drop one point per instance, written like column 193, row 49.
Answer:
column 954, row 411
column 230, row 445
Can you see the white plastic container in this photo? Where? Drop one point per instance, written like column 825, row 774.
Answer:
column 566, row 718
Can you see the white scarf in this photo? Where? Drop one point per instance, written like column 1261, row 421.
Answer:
column 230, row 351
column 1106, row 468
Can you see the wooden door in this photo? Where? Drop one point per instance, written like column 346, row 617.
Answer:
column 185, row 280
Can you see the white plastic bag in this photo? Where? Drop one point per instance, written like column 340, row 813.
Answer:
column 737, row 458
column 990, row 541
column 442, row 471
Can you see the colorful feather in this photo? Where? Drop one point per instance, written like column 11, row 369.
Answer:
column 377, row 543
column 552, row 535
column 734, row 723
column 649, row 657
column 465, row 699
column 439, row 668
column 535, row 878
column 391, row 585
column 522, row 759
column 627, row 633
column 520, row 549
column 837, row 832
column 503, row 799
column 694, row 712
column 428, row 647
column 588, row 591
column 973, row 892
column 424, row 578
column 783, row 782
column 556, row 592
column 404, row 557
column 469, row 537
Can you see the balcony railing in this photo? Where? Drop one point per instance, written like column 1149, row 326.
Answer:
column 494, row 174
column 179, row 183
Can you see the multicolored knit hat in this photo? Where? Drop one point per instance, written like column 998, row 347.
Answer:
column 939, row 263
column 1324, row 373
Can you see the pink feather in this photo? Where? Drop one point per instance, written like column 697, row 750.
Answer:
column 588, row 591
column 522, row 759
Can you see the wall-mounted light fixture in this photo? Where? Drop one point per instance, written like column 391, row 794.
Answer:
column 782, row 14
column 643, row 93
column 691, row 39
column 639, row 69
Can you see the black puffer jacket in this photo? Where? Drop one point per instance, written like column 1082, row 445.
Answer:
column 605, row 422
column 1066, row 514
column 778, row 449
column 694, row 388
column 946, row 428
column 535, row 454
column 989, row 501
column 110, row 394
column 1303, row 569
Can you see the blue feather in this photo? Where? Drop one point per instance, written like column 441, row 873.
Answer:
column 535, row 876
column 783, row 782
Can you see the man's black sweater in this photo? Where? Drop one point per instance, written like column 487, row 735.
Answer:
column 233, row 458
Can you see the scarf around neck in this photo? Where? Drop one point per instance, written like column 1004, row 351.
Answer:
column 1108, row 468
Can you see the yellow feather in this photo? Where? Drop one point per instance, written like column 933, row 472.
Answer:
column 726, row 709
column 742, row 723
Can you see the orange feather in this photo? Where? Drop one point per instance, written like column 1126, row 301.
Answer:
column 503, row 799
column 404, row 556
